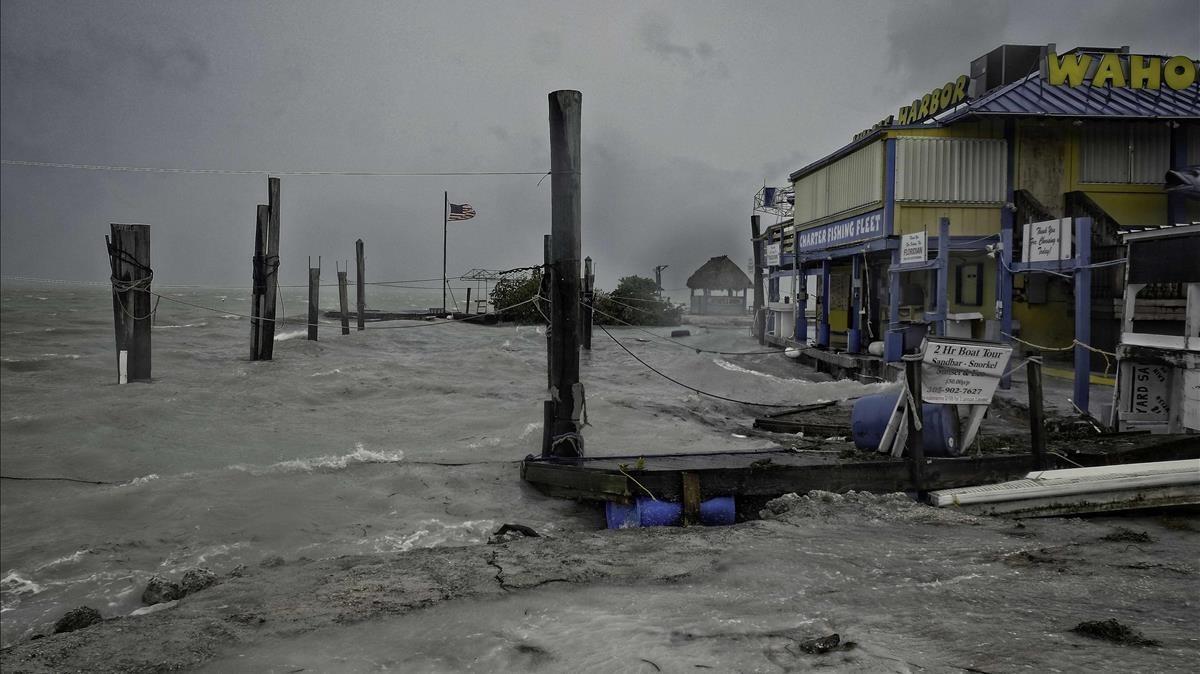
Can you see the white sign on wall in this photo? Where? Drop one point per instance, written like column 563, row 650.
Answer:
column 962, row 372
column 913, row 247
column 1047, row 241
column 773, row 250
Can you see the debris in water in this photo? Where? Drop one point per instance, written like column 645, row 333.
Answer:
column 821, row 645
column 77, row 619
column 1123, row 535
column 1111, row 630
column 195, row 580
column 511, row 532
column 159, row 590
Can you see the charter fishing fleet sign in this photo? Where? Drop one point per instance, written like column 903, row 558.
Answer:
column 962, row 372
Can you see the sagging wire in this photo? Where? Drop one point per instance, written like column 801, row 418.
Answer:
column 679, row 383
column 679, row 343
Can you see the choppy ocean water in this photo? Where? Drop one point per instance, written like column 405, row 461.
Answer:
column 402, row 436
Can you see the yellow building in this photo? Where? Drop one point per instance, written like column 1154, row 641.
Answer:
column 1000, row 168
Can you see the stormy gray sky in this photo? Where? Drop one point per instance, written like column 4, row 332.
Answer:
column 688, row 107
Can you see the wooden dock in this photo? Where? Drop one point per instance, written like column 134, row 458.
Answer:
column 769, row 473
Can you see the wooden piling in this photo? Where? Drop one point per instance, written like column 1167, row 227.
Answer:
column 915, row 443
column 271, row 271
column 760, row 315
column 258, row 294
column 1037, row 419
column 467, row 310
column 344, row 299
column 589, row 297
column 566, row 390
column 547, row 280
column 314, row 293
column 360, row 280
column 129, row 260
column 691, row 498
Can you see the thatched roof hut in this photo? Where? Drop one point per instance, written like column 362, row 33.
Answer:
column 719, row 273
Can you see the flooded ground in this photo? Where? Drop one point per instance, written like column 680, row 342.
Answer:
column 406, row 435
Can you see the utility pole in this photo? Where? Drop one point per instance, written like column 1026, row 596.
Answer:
column 566, row 391
column 760, row 317
column 658, row 279
column 589, row 298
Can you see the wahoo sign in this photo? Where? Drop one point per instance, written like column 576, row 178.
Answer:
column 859, row 228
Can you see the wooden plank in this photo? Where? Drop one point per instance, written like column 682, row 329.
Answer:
column 597, row 483
column 761, row 478
column 691, row 498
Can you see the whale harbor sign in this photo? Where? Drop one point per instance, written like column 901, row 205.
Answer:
column 851, row 230
column 962, row 371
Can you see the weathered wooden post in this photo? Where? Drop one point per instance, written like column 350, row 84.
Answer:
column 589, row 297
column 271, row 262
column 258, row 296
column 1037, row 420
column 915, row 443
column 691, row 498
column 468, row 309
column 344, row 299
column 360, row 280
column 566, row 391
column 760, row 316
column 314, row 290
column 129, row 259
column 547, row 280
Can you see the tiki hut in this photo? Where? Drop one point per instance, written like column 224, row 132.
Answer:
column 719, row 273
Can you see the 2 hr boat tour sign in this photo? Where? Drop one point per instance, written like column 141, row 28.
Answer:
column 962, row 371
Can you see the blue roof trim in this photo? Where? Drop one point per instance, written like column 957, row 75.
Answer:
column 1031, row 96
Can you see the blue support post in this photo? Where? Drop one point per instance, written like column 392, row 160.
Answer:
column 854, row 333
column 823, row 319
column 1004, row 292
column 893, row 345
column 943, row 276
column 1083, row 311
column 1004, row 278
column 801, row 304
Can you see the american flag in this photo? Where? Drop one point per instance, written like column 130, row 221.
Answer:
column 461, row 212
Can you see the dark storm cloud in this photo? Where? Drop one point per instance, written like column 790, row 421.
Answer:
column 88, row 61
column 655, row 33
column 934, row 39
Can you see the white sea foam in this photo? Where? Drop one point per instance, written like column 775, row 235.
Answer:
column 68, row 559
column 184, row 325
column 14, row 583
column 726, row 365
column 284, row 336
column 326, row 374
column 434, row 533
column 332, row 461
column 529, row 428
column 139, row 481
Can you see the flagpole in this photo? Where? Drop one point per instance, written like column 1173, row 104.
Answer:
column 445, row 219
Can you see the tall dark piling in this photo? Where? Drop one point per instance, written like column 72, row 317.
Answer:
column 258, row 292
column 566, row 391
column 271, row 271
column 360, row 281
column 344, row 300
column 129, row 259
column 314, row 297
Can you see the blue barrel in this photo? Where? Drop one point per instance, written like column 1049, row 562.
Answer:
column 870, row 416
column 648, row 512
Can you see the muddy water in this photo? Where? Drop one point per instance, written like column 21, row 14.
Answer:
column 347, row 445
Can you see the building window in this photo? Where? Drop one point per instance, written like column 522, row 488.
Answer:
column 1125, row 153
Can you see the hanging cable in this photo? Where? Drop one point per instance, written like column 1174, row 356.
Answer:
column 679, row 383
column 679, row 343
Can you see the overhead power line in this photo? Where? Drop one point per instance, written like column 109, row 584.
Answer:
column 160, row 169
